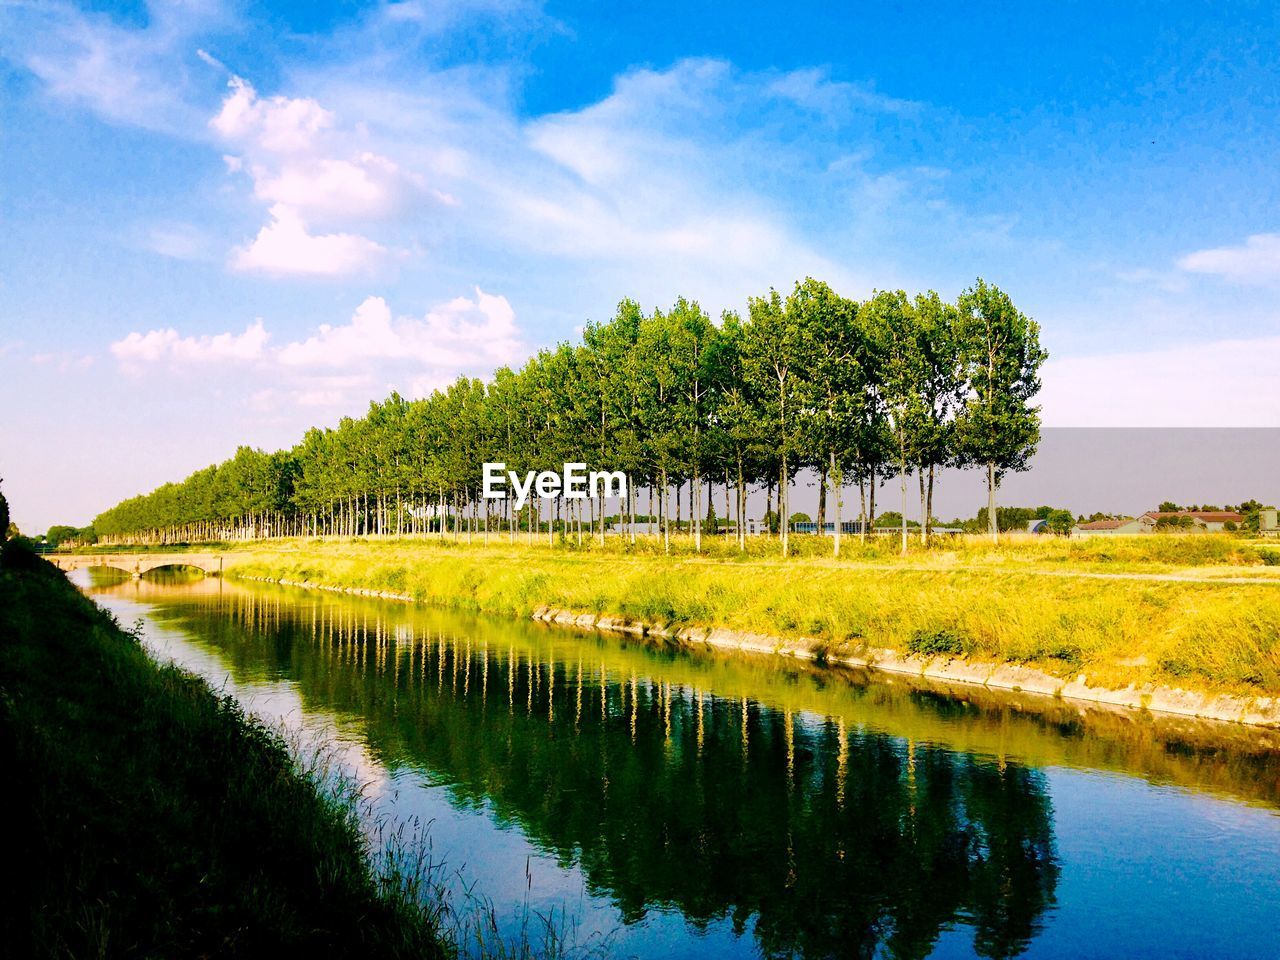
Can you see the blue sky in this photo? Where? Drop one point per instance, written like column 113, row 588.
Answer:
column 225, row 222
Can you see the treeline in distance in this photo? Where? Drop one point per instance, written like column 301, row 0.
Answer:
column 857, row 391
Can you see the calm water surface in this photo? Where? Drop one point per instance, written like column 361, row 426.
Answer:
column 685, row 805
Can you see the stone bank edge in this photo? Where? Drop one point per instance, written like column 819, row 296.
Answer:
column 1255, row 711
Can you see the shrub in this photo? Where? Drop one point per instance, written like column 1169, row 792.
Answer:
column 933, row 643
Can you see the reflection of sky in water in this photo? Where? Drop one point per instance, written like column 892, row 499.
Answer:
column 512, row 870
column 1145, row 870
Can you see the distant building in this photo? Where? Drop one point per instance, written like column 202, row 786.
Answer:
column 653, row 528
column 729, row 528
column 1105, row 528
column 1268, row 525
column 1192, row 521
column 642, row 528
column 853, row 528
column 1210, row 521
column 847, row 527
column 1038, row 525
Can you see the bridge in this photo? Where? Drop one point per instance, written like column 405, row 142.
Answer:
column 136, row 564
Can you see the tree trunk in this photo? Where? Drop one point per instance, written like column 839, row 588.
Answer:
column 837, row 480
column 727, row 505
column 903, row 483
column 991, row 503
column 872, row 517
column 928, row 501
column 665, row 507
column 862, row 524
column 822, row 497
column 784, row 505
column 924, row 513
column 742, row 509
column 695, row 510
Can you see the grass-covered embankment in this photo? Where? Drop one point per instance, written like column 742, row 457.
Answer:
column 1164, row 622
column 149, row 817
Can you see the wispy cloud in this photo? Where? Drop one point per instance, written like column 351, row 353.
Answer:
column 134, row 75
column 179, row 241
column 62, row 361
column 1256, row 261
column 815, row 90
column 1213, row 384
column 679, row 179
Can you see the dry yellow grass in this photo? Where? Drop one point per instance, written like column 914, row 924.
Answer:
column 1167, row 616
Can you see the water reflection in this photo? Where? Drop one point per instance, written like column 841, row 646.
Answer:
column 822, row 815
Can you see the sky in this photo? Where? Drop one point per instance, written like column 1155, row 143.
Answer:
column 225, row 222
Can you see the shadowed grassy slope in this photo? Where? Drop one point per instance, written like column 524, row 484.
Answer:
column 152, row 818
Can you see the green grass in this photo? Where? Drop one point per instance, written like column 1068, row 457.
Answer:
column 1161, row 553
column 149, row 817
column 994, row 604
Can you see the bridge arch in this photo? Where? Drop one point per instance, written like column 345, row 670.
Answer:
column 136, row 564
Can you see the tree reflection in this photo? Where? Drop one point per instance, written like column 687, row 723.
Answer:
column 822, row 841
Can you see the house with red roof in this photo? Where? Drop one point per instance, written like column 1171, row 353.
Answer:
column 1181, row 521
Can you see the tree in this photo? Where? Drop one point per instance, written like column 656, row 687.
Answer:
column 774, row 353
column 4, row 517
column 893, row 325
column 693, row 357
column 738, row 426
column 1000, row 358
column 853, row 391
column 940, row 386
column 834, row 387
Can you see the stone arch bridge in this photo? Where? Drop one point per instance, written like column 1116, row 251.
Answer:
column 136, row 564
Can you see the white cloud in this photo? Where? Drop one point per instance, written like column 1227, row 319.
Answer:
column 160, row 345
column 285, row 247
column 461, row 334
column 1256, row 261
column 309, row 171
column 296, row 154
column 348, row 363
column 368, row 185
column 272, row 124
column 1214, row 384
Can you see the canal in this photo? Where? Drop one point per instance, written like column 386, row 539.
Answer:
column 661, row 803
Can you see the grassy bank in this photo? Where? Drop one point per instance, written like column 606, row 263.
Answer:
column 1199, row 555
column 1042, row 606
column 154, row 819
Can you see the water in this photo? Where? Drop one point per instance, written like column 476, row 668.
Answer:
column 670, row 804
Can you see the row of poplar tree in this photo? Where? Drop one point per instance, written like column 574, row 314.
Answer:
column 858, row 392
